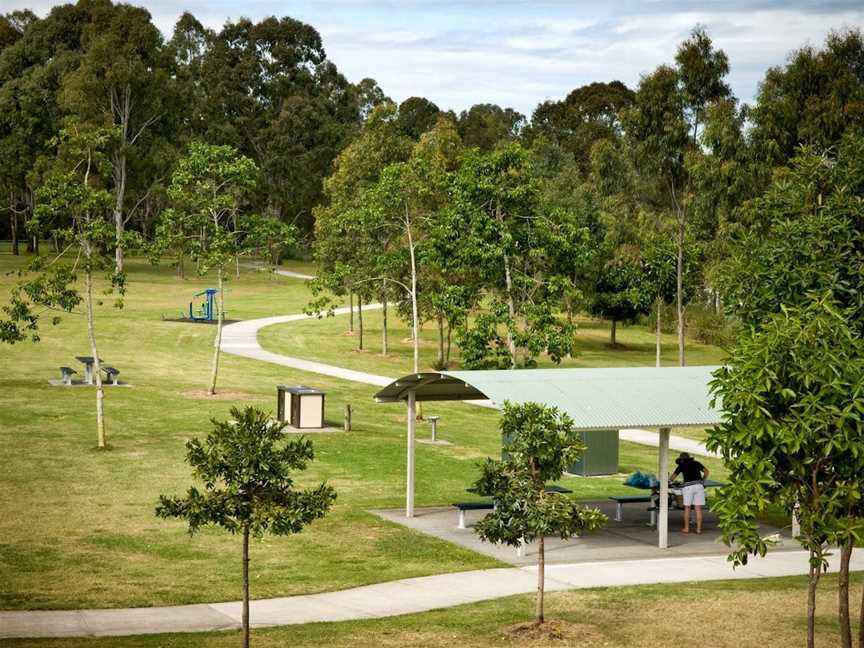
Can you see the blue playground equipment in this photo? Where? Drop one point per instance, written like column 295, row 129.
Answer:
column 207, row 311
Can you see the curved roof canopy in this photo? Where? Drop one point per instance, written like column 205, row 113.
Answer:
column 596, row 399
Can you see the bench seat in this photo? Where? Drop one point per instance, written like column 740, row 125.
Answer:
column 66, row 375
column 620, row 500
column 471, row 506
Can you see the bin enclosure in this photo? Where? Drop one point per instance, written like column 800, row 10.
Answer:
column 301, row 407
column 600, row 456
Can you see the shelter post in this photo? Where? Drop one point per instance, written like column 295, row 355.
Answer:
column 663, row 476
column 412, row 419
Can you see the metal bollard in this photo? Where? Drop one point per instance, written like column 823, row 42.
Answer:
column 434, row 421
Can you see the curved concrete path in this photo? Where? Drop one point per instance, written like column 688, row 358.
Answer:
column 285, row 273
column 405, row 596
column 241, row 339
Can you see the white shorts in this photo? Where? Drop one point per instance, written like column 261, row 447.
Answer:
column 693, row 495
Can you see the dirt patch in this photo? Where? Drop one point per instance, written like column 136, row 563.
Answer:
column 201, row 394
column 554, row 631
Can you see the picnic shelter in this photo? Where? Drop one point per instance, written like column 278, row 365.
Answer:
column 660, row 398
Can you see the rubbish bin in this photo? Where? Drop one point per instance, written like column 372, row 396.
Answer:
column 300, row 406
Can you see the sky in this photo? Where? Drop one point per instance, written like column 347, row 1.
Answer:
column 519, row 53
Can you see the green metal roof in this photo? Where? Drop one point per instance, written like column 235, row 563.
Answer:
column 596, row 399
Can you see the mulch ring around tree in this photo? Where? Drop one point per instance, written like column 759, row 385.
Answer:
column 186, row 320
column 554, row 631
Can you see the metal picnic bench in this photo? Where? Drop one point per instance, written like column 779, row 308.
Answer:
column 66, row 375
column 112, row 374
column 488, row 506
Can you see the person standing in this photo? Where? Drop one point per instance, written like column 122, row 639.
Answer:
column 694, row 475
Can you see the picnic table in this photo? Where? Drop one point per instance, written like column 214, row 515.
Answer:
column 654, row 498
column 489, row 505
column 88, row 362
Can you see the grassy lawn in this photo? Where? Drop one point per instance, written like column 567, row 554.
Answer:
column 772, row 611
column 695, row 433
column 326, row 340
column 78, row 528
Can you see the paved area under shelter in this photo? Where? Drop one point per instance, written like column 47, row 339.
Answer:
column 630, row 539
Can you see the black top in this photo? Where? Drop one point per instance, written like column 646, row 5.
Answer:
column 689, row 469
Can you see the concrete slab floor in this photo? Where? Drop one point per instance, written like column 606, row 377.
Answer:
column 630, row 539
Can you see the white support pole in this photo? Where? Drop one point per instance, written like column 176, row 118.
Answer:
column 409, row 491
column 663, row 476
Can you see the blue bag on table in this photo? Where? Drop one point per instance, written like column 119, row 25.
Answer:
column 639, row 479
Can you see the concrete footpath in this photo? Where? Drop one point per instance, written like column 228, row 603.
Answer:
column 241, row 339
column 396, row 597
column 279, row 271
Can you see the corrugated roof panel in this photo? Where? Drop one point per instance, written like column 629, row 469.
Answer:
column 609, row 398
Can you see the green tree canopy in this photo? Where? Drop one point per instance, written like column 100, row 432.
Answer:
column 485, row 126
column 416, row 115
column 813, row 100
column 588, row 114
column 806, row 236
column 793, row 397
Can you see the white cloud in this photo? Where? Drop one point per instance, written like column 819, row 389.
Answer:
column 518, row 53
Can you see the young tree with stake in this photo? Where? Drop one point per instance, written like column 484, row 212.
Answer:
column 541, row 443
column 208, row 189
column 72, row 206
column 245, row 465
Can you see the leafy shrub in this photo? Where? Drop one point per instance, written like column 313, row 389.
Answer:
column 707, row 326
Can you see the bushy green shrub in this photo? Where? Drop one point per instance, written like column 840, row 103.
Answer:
column 705, row 325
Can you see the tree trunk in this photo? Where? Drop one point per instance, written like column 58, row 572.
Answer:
column 679, row 288
column 449, row 335
column 439, row 361
column 385, row 347
column 861, row 622
column 94, row 351
column 350, row 312
column 245, row 618
column 815, row 573
column 541, row 575
column 119, row 197
column 511, row 311
column 181, row 270
column 360, row 322
column 843, row 596
column 415, row 319
column 13, row 226
column 511, row 306
column 614, row 333
column 218, row 343
column 237, row 266
column 659, row 311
